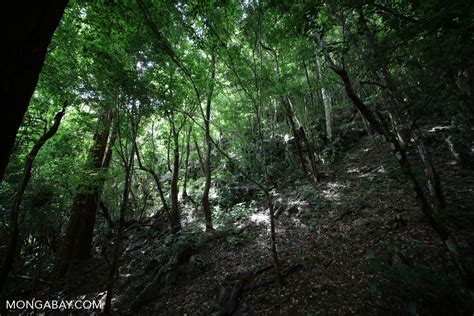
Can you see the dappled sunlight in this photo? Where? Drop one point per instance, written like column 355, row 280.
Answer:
column 190, row 216
column 238, row 157
column 353, row 170
column 296, row 222
column 260, row 218
column 332, row 191
column 440, row 128
column 370, row 173
column 213, row 193
column 365, row 171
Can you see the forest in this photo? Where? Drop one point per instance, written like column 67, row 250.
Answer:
column 237, row 157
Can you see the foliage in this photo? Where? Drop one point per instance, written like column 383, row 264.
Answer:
column 149, row 64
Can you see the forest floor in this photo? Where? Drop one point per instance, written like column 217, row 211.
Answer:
column 354, row 243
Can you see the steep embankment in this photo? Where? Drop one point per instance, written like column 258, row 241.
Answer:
column 353, row 243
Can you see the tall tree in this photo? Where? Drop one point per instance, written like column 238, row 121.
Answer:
column 127, row 144
column 77, row 241
column 13, row 246
column 379, row 124
column 206, row 206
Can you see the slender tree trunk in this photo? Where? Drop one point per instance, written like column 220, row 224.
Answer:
column 175, row 217
column 305, row 144
column 326, row 101
column 39, row 263
column 13, row 245
column 166, row 48
column 28, row 29
column 161, row 194
column 310, row 150
column 433, row 183
column 105, row 166
column 397, row 100
column 198, row 153
column 106, row 214
column 184, row 194
column 114, row 269
column 134, row 200
column 257, row 106
column 296, row 135
column 206, row 207
column 110, row 150
column 381, row 127
column 290, row 116
column 310, row 87
column 168, row 152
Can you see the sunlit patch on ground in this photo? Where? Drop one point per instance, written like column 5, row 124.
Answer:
column 260, row 218
column 332, row 191
column 353, row 170
column 439, row 128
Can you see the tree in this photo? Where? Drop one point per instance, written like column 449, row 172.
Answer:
column 28, row 33
column 13, row 247
column 77, row 242
column 127, row 151
column 200, row 115
column 378, row 123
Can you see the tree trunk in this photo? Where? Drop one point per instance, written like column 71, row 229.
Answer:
column 77, row 241
column 175, row 217
column 433, row 183
column 123, row 214
column 257, row 107
column 107, row 215
column 28, row 29
column 13, row 245
column 155, row 176
column 430, row 212
column 168, row 152
column 396, row 100
column 326, row 101
column 311, row 155
column 104, row 156
column 198, row 153
column 310, row 87
column 206, row 207
column 184, row 194
column 294, row 130
column 285, row 101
